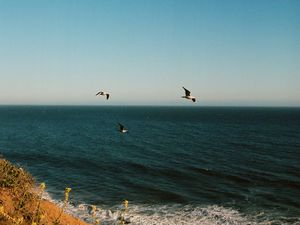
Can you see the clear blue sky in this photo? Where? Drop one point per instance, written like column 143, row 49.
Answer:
column 143, row 52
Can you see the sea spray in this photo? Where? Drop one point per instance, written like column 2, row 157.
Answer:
column 143, row 214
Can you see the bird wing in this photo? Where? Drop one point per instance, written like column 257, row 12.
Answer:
column 187, row 92
column 98, row 93
column 121, row 126
column 107, row 96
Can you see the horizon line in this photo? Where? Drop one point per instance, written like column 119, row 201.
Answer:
column 136, row 105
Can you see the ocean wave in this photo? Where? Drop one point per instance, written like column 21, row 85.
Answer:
column 173, row 214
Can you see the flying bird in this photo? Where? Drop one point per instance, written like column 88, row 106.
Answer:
column 103, row 93
column 122, row 129
column 188, row 95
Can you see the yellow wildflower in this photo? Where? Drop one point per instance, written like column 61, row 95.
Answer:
column 94, row 208
column 125, row 203
column 42, row 186
column 67, row 191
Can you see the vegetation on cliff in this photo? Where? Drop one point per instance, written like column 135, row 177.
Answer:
column 21, row 202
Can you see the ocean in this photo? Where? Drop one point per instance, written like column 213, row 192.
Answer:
column 176, row 165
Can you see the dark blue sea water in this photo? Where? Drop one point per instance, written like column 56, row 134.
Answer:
column 176, row 165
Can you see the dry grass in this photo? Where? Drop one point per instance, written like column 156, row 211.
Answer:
column 16, row 197
column 20, row 204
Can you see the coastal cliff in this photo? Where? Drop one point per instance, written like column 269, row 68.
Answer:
column 21, row 202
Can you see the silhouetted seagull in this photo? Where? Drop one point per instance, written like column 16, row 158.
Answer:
column 188, row 95
column 103, row 93
column 122, row 129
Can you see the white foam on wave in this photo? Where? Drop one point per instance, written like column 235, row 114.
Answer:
column 176, row 214
column 185, row 215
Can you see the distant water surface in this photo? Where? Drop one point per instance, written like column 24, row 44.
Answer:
column 177, row 165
